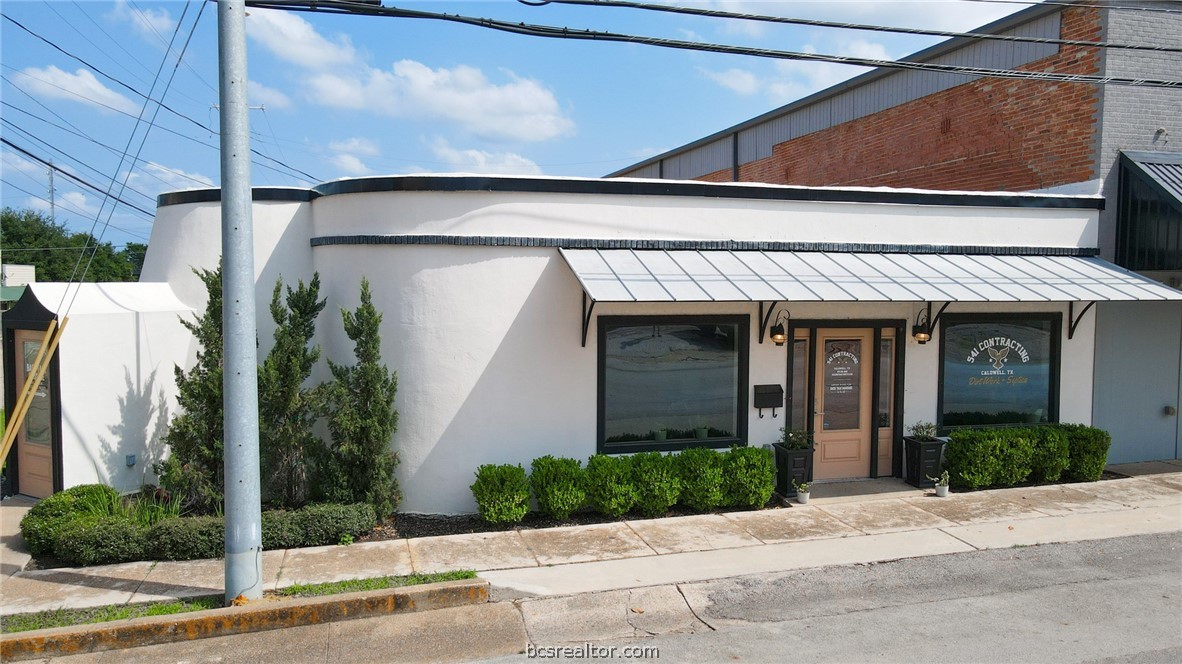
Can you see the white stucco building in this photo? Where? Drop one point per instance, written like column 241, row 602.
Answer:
column 531, row 316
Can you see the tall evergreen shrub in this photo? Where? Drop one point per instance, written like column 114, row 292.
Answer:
column 362, row 420
column 288, row 409
column 192, row 473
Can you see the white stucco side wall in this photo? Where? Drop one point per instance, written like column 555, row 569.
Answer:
column 118, row 393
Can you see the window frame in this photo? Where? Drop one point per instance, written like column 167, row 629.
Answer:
column 743, row 348
column 1056, row 363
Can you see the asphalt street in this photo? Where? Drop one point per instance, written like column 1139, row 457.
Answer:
column 1114, row 600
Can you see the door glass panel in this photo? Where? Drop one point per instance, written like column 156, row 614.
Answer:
column 843, row 384
column 886, row 373
column 800, row 377
column 37, row 420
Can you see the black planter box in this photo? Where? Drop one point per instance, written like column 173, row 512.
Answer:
column 925, row 458
column 792, row 466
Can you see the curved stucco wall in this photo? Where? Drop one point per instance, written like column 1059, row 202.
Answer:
column 486, row 339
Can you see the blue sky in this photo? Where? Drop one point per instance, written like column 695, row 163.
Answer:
column 346, row 96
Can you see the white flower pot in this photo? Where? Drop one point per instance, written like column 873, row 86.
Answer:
column 802, row 498
column 942, row 491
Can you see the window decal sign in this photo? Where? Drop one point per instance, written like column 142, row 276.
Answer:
column 997, row 370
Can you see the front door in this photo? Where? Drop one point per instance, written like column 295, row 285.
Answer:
column 843, row 408
column 34, row 439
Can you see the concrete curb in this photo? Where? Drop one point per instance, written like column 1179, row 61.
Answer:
column 256, row 617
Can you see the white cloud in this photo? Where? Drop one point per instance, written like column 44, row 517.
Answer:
column 12, row 162
column 740, row 81
column 73, row 202
column 153, row 178
column 152, row 24
column 797, row 78
column 350, row 164
column 479, row 161
column 519, row 109
column 292, row 39
column 355, row 145
column 928, row 14
column 260, row 94
column 81, row 86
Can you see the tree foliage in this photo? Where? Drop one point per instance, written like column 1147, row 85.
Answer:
column 362, row 419
column 30, row 237
column 193, row 471
column 288, row 409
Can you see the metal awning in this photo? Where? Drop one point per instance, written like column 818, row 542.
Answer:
column 626, row 275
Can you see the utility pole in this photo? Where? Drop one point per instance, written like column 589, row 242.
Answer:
column 244, row 545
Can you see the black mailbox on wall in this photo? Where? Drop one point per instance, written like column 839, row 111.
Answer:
column 769, row 396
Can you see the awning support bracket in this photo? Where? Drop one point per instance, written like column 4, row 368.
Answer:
column 929, row 320
column 1075, row 320
column 587, row 309
column 765, row 317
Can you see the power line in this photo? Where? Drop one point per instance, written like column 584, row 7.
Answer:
column 85, row 137
column 357, row 8
column 713, row 13
column 136, row 92
column 292, row 171
column 73, row 177
column 69, row 208
column 1098, row 5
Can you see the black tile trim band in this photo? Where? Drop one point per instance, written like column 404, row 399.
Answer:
column 696, row 245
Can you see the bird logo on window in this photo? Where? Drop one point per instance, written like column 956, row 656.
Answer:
column 999, row 356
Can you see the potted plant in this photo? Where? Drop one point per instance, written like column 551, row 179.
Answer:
column 794, row 460
column 702, row 432
column 941, row 483
column 802, row 492
column 924, row 454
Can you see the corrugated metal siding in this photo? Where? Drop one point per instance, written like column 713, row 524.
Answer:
column 700, row 161
column 653, row 170
column 898, row 88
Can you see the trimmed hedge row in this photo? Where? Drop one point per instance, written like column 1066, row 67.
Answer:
column 1006, row 457
column 65, row 525
column 649, row 483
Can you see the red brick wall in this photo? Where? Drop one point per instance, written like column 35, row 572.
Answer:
column 989, row 134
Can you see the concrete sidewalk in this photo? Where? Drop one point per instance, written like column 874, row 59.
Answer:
column 845, row 523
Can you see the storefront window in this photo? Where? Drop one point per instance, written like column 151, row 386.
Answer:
column 999, row 370
column 672, row 382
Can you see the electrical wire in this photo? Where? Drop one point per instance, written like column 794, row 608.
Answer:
column 68, row 208
column 532, row 30
column 292, row 172
column 75, row 178
column 716, row 13
column 141, row 95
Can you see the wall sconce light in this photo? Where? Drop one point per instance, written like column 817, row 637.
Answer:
column 922, row 330
column 925, row 323
column 779, row 331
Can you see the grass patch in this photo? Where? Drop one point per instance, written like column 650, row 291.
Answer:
column 24, row 622
column 379, row 583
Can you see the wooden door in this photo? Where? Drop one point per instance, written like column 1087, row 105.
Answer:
column 34, row 439
column 843, row 407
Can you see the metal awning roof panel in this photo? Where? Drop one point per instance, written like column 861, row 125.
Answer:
column 686, row 275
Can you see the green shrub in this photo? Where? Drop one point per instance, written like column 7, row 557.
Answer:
column 1088, row 452
column 100, row 540
column 280, row 530
column 700, row 472
column 1015, row 454
column 972, row 458
column 1051, row 454
column 559, row 486
column 324, row 524
column 41, row 525
column 657, row 484
column 501, row 492
column 610, row 489
column 188, row 538
column 749, row 477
